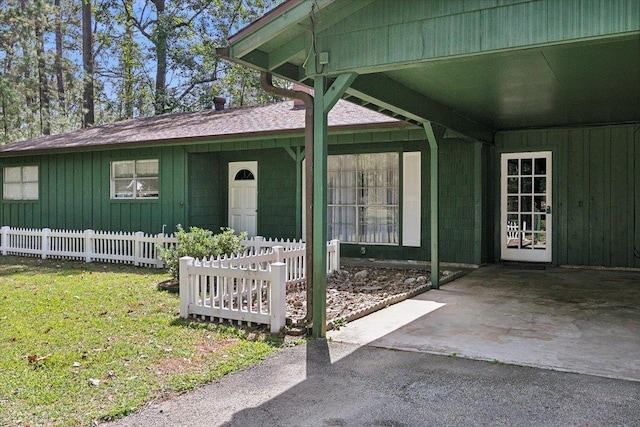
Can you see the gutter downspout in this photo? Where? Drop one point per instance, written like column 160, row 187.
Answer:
column 266, row 81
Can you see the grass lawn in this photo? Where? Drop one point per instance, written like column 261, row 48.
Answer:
column 88, row 342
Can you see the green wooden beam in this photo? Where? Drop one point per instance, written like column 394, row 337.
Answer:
column 478, row 186
column 297, row 157
column 319, row 328
column 260, row 60
column 390, row 95
column 434, row 133
column 337, row 89
column 281, row 55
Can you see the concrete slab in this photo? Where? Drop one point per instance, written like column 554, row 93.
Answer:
column 575, row 320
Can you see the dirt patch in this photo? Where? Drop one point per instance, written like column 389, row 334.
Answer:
column 180, row 365
column 354, row 290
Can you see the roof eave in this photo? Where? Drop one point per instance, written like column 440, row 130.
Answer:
column 271, row 25
column 244, row 136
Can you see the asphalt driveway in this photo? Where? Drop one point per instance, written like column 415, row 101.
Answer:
column 575, row 320
column 326, row 383
column 581, row 321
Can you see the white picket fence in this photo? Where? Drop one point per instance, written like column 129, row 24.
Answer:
column 246, row 288
column 249, row 287
column 135, row 248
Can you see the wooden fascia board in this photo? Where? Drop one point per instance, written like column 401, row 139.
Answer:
column 253, row 37
column 393, row 96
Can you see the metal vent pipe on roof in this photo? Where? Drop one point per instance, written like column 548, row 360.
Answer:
column 266, row 81
column 219, row 102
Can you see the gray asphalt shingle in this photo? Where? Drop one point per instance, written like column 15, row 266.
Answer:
column 279, row 117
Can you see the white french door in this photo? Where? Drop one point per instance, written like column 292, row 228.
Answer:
column 525, row 208
column 243, row 197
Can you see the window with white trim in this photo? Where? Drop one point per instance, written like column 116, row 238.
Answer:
column 363, row 198
column 20, row 183
column 134, row 179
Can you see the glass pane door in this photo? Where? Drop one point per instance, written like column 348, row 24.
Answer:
column 526, row 206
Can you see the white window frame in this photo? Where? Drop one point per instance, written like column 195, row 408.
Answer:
column 358, row 205
column 134, row 180
column 27, row 181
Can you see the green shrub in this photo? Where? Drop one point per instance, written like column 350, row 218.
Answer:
column 200, row 243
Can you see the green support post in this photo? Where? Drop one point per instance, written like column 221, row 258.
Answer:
column 478, row 205
column 319, row 209
column 324, row 99
column 435, row 205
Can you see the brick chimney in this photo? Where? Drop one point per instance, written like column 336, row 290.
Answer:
column 299, row 103
column 219, row 102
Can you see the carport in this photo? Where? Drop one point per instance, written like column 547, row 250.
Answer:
column 575, row 320
column 471, row 69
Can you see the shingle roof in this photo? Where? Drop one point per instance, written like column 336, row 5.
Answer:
column 280, row 117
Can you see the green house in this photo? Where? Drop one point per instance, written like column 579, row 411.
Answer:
column 491, row 130
column 530, row 109
column 238, row 167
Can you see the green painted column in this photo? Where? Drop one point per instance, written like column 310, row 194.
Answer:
column 319, row 209
column 478, row 207
column 435, row 205
column 297, row 157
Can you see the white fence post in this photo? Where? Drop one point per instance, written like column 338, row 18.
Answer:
column 44, row 245
column 88, row 245
column 5, row 239
column 278, row 252
column 336, row 255
column 277, row 299
column 137, row 248
column 257, row 244
column 184, row 291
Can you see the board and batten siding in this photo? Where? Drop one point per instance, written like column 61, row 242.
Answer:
column 205, row 186
column 596, row 191
column 74, row 193
column 417, row 30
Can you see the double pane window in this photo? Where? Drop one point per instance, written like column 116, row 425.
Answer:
column 20, row 183
column 134, row 179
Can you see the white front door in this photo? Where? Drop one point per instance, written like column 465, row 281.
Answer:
column 525, row 208
column 243, row 197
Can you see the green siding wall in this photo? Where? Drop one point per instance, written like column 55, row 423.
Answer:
column 75, row 193
column 415, row 30
column 457, row 202
column 276, row 190
column 596, row 189
column 205, row 191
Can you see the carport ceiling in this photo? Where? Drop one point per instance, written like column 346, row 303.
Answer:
column 567, row 81
column 562, row 85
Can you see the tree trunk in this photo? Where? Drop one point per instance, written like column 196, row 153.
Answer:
column 88, row 117
column 128, row 63
column 43, row 83
column 160, row 36
column 58, row 58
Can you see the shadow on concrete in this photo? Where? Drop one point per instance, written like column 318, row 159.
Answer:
column 330, row 383
column 557, row 318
